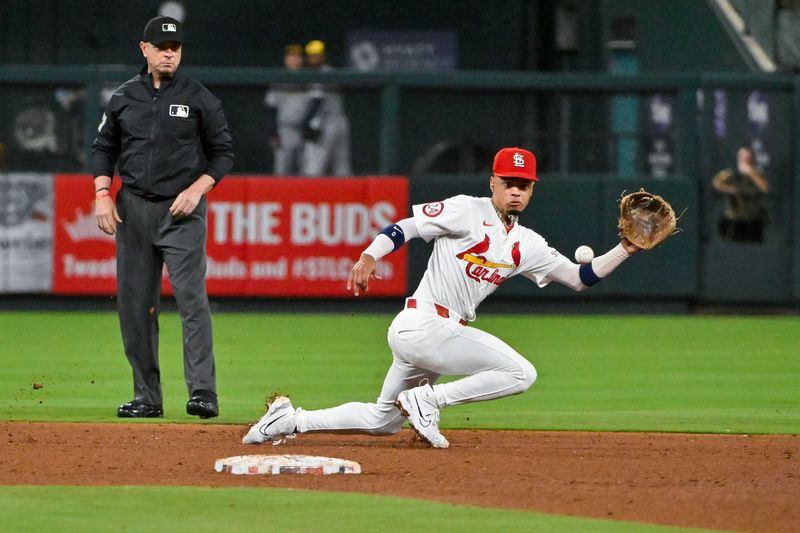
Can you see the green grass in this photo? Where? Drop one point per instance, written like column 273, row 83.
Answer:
column 698, row 374
column 80, row 509
column 693, row 374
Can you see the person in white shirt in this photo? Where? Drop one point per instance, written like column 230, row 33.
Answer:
column 286, row 105
column 326, row 127
column 478, row 244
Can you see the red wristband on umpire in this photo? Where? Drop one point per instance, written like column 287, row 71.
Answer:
column 101, row 193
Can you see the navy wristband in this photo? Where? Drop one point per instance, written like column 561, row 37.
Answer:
column 395, row 233
column 588, row 277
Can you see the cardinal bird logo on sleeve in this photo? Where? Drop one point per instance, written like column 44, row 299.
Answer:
column 479, row 268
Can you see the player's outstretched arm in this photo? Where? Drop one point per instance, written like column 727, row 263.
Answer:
column 629, row 246
column 391, row 238
column 580, row 277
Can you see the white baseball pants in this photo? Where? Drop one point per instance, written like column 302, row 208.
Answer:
column 425, row 346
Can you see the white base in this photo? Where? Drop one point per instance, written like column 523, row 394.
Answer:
column 286, row 464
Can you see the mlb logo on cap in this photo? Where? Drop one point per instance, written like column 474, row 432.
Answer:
column 515, row 163
column 160, row 30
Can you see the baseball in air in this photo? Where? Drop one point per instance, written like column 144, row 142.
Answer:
column 584, row 254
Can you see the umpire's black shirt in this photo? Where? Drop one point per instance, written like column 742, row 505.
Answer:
column 163, row 139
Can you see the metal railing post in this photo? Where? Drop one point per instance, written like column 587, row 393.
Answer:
column 795, row 233
column 688, row 134
column 90, row 119
column 390, row 128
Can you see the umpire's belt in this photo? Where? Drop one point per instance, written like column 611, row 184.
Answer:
column 157, row 198
column 442, row 311
column 148, row 196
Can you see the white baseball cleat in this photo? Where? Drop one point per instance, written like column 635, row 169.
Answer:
column 419, row 406
column 276, row 426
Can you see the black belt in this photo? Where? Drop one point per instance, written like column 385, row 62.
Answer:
column 150, row 197
column 157, row 198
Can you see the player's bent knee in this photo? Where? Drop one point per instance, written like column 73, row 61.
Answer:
column 527, row 375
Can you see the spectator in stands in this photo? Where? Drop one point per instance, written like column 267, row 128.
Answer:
column 743, row 188
column 325, row 127
column 286, row 105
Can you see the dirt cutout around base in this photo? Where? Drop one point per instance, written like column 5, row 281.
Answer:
column 732, row 482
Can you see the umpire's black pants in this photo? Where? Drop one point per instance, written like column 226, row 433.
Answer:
column 148, row 237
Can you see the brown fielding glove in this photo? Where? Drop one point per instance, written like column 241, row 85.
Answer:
column 645, row 219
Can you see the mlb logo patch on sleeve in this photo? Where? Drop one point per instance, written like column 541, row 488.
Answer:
column 181, row 111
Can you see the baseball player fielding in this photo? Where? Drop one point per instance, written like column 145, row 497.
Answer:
column 478, row 244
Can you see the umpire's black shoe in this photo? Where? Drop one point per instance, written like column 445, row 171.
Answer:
column 138, row 409
column 203, row 404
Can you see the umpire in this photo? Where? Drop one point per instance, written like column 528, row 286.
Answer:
column 170, row 139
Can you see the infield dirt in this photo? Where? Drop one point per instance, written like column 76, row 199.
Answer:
column 732, row 482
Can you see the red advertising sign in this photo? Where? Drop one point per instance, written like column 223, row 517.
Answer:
column 266, row 236
column 83, row 256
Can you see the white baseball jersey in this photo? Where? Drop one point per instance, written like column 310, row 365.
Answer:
column 473, row 253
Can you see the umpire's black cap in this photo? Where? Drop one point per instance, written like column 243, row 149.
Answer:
column 163, row 29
